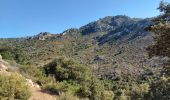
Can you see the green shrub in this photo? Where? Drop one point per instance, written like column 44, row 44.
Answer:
column 75, row 79
column 84, row 90
column 36, row 74
column 54, row 88
column 74, row 75
column 159, row 90
column 97, row 89
column 13, row 53
column 66, row 69
column 67, row 96
column 13, row 87
column 31, row 72
column 139, row 90
column 108, row 95
column 61, row 87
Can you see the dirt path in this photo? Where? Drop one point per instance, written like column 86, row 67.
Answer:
column 37, row 94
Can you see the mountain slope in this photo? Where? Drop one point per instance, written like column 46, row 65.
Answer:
column 113, row 46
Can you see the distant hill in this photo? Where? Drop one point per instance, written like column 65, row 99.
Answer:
column 113, row 46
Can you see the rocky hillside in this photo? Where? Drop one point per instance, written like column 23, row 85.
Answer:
column 113, row 46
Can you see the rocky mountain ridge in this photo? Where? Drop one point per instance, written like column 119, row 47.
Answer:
column 113, row 46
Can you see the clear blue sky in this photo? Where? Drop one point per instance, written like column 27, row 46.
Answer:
column 20, row 18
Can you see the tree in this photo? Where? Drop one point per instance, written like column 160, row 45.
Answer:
column 71, row 76
column 77, row 79
column 161, row 29
column 67, row 69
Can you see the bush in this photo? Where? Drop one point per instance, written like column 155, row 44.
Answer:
column 139, row 90
column 31, row 72
column 74, row 79
column 66, row 69
column 108, row 95
column 67, row 96
column 13, row 53
column 61, row 87
column 159, row 90
column 54, row 88
column 97, row 89
column 36, row 74
column 13, row 87
column 75, row 76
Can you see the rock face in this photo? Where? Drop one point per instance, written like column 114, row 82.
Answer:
column 41, row 36
column 117, row 28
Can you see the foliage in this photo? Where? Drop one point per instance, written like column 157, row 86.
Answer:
column 130, row 90
column 67, row 96
column 97, row 89
column 54, row 88
column 13, row 87
column 138, row 91
column 15, row 53
column 31, row 72
column 5, row 52
column 66, row 69
column 161, row 28
column 108, row 95
column 74, row 78
column 36, row 74
column 61, row 87
column 159, row 90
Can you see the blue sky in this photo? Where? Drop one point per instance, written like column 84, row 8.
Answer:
column 20, row 18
